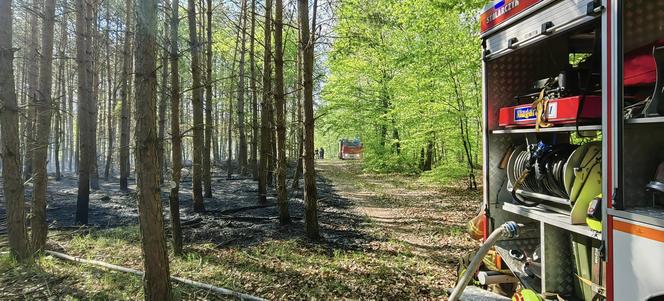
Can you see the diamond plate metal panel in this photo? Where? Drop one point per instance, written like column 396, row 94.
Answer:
column 508, row 76
column 514, row 74
column 498, row 146
column 643, row 22
column 642, row 153
column 497, row 178
column 557, row 265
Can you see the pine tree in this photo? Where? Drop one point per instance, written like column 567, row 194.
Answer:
column 85, row 113
column 242, row 139
column 207, row 168
column 265, row 104
column 176, row 138
column 11, row 155
column 254, row 94
column 156, row 280
column 43, row 129
column 279, row 103
column 197, row 103
column 125, row 111
column 307, row 49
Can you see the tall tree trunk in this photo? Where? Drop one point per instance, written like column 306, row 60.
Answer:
column 207, row 168
column 85, row 113
column 310, row 192
column 111, row 102
column 229, row 157
column 156, row 281
column 11, row 154
column 176, row 138
column 125, row 104
column 60, row 154
column 216, row 155
column 163, row 100
column 299, row 131
column 94, row 38
column 265, row 121
column 40, row 153
column 197, row 104
column 33, row 86
column 254, row 94
column 242, row 138
column 72, row 137
column 279, row 101
column 229, row 129
column 272, row 151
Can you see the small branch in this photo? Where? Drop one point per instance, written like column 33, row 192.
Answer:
column 197, row 284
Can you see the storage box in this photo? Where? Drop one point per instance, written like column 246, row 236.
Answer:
column 560, row 111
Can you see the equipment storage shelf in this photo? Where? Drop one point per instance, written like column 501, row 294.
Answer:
column 643, row 139
column 559, row 220
column 610, row 245
column 645, row 120
column 558, row 129
column 646, row 215
column 517, row 58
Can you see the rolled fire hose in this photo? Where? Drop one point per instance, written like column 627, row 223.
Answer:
column 508, row 229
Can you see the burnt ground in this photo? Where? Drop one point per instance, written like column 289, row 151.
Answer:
column 384, row 237
column 233, row 214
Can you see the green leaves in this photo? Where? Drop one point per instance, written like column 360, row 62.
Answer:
column 403, row 74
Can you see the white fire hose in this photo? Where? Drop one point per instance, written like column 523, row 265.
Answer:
column 508, row 229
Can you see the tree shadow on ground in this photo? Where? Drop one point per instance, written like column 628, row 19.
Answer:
column 232, row 218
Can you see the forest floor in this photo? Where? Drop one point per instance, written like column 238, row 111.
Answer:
column 384, row 237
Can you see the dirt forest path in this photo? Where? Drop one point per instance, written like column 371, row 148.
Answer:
column 388, row 237
column 406, row 215
column 430, row 220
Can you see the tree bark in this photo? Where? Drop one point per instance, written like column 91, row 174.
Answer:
column 176, row 138
column 300, row 132
column 156, row 280
column 85, row 98
column 207, row 166
column 254, row 94
column 197, row 104
column 40, row 152
column 11, row 154
column 229, row 157
column 209, row 121
column 72, row 138
column 310, row 192
column 279, row 101
column 265, row 121
column 94, row 42
column 242, row 138
column 60, row 154
column 163, row 100
column 125, row 104
column 33, row 86
column 111, row 103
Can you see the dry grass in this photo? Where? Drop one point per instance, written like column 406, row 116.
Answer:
column 404, row 246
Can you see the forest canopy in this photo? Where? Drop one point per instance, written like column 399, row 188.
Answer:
column 404, row 77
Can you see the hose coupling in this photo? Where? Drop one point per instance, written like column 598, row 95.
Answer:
column 511, row 229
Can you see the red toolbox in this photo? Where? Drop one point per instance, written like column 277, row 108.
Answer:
column 560, row 111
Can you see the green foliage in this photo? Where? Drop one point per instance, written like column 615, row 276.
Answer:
column 445, row 174
column 403, row 75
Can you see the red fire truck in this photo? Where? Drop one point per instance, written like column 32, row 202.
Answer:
column 573, row 150
column 350, row 149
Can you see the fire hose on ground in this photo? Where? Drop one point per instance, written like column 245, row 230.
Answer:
column 509, row 230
